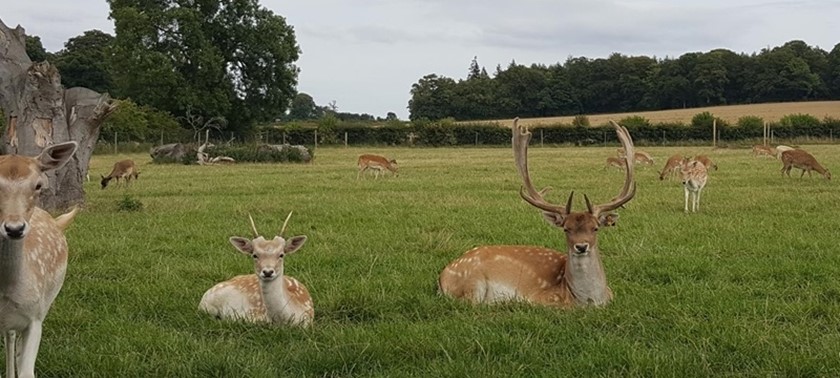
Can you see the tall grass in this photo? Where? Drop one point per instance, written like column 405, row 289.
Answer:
column 746, row 287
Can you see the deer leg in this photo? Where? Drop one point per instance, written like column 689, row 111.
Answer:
column 686, row 198
column 697, row 200
column 31, row 342
column 803, row 174
column 10, row 353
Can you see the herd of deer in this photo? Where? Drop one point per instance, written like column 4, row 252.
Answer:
column 33, row 249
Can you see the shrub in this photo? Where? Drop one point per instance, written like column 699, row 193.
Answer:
column 749, row 122
column 706, row 119
column 128, row 203
column 634, row 122
column 580, row 121
column 436, row 134
column 805, row 121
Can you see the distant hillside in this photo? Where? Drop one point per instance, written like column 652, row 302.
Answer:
column 770, row 112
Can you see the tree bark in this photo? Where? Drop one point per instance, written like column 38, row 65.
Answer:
column 40, row 112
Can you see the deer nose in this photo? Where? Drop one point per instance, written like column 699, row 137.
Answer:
column 14, row 230
column 268, row 273
column 581, row 247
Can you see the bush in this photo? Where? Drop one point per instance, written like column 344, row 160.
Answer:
column 580, row 121
column 128, row 203
column 750, row 122
column 706, row 119
column 265, row 153
column 634, row 122
column 436, row 134
column 805, row 121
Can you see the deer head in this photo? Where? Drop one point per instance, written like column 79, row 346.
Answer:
column 268, row 255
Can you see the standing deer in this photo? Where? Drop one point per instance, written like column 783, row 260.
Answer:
column 268, row 295
column 490, row 274
column 123, row 169
column 694, row 177
column 377, row 163
column 33, row 253
column 762, row 150
column 617, row 162
column 782, row 148
column 706, row 162
column 672, row 166
column 640, row 156
column 804, row 161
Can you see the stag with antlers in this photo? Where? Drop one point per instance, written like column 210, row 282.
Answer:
column 490, row 274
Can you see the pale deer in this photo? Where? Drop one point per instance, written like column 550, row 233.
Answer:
column 672, row 166
column 762, row 150
column 694, row 177
column 490, row 274
column 804, row 161
column 267, row 296
column 706, row 162
column 377, row 163
column 617, row 162
column 123, row 169
column 33, row 253
column 782, row 148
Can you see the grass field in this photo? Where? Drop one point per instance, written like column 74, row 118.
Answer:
column 746, row 287
column 770, row 112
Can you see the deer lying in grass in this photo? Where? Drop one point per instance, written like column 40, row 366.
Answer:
column 804, row 161
column 617, row 162
column 491, row 274
column 706, row 162
column 694, row 177
column 33, row 254
column 762, row 150
column 123, row 169
column 673, row 166
column 268, row 295
column 377, row 163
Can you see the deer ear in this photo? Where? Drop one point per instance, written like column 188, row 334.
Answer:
column 608, row 219
column 556, row 219
column 242, row 244
column 55, row 156
column 294, row 244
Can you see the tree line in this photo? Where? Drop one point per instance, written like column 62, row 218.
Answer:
column 794, row 71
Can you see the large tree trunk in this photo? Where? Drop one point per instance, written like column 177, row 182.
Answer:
column 40, row 112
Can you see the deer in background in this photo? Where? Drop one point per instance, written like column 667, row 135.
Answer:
column 804, row 161
column 762, row 150
column 33, row 253
column 673, row 166
column 617, row 162
column 491, row 274
column 123, row 169
column 640, row 157
column 781, row 149
column 694, row 177
column 268, row 295
column 708, row 163
column 377, row 163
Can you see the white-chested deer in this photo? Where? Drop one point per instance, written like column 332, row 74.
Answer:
column 123, row 169
column 33, row 254
column 377, row 163
column 268, row 295
column 803, row 160
column 490, row 274
column 694, row 177
column 672, row 166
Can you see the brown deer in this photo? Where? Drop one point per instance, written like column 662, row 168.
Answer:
column 672, row 166
column 706, row 162
column 490, row 274
column 694, row 177
column 377, row 163
column 33, row 253
column 640, row 156
column 782, row 148
column 762, row 150
column 268, row 295
column 804, row 161
column 617, row 162
column 123, row 169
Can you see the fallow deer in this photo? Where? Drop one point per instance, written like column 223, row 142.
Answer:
column 694, row 177
column 706, row 162
column 33, row 253
column 377, row 163
column 617, row 162
column 640, row 156
column 762, row 150
column 268, row 295
column 803, row 160
column 672, row 166
column 123, row 169
column 782, row 148
column 490, row 274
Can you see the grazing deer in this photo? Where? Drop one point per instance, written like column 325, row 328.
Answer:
column 706, row 162
column 694, row 177
column 33, row 253
column 672, row 166
column 490, row 274
column 123, row 169
column 804, row 161
column 782, row 148
column 640, row 156
column 267, row 296
column 617, row 162
column 377, row 163
column 762, row 150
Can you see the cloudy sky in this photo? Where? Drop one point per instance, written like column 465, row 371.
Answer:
column 366, row 54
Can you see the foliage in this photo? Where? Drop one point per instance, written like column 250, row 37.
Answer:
column 634, row 121
column 580, row 121
column 83, row 61
column 436, row 134
column 129, row 204
column 806, row 121
column 303, row 107
column 35, row 49
column 707, row 120
column 750, row 122
column 131, row 122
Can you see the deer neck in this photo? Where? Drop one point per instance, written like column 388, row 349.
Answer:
column 586, row 279
column 11, row 263
column 276, row 298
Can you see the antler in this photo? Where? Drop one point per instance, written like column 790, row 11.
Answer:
column 253, row 226
column 629, row 189
column 521, row 138
column 285, row 223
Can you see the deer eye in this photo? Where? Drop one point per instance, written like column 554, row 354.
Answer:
column 38, row 186
column 254, row 255
column 282, row 254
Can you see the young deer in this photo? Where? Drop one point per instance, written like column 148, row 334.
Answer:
column 377, row 163
column 804, row 161
column 490, row 274
column 268, row 295
column 694, row 177
column 617, row 162
column 124, row 169
column 672, row 166
column 762, row 150
column 706, row 162
column 640, row 156
column 33, row 253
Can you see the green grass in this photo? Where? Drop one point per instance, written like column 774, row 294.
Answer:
column 746, row 287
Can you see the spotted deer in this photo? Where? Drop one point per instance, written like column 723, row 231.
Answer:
column 123, row 169
column 490, row 274
column 803, row 160
column 672, row 166
column 377, row 163
column 267, row 296
column 640, row 156
column 33, row 254
column 694, row 177
column 706, row 162
column 617, row 162
column 762, row 150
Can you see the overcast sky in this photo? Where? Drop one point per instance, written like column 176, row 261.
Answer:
column 366, row 54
